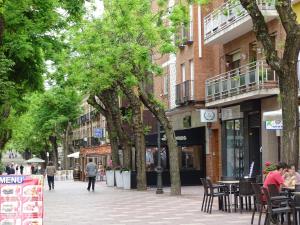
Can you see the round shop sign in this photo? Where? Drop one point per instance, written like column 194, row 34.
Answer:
column 209, row 115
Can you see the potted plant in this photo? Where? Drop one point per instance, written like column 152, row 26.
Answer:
column 119, row 178
column 126, row 174
column 269, row 167
column 110, row 177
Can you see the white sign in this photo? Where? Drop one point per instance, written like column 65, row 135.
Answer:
column 208, row 115
column 232, row 113
column 274, row 125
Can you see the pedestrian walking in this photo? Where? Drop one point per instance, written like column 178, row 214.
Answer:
column 12, row 169
column 91, row 173
column 32, row 169
column 50, row 172
column 21, row 169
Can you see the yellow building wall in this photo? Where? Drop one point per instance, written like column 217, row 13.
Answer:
column 296, row 8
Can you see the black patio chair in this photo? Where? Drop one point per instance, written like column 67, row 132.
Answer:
column 205, row 194
column 245, row 193
column 297, row 207
column 219, row 191
column 274, row 209
column 259, row 201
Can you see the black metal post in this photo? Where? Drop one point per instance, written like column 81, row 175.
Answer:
column 159, row 168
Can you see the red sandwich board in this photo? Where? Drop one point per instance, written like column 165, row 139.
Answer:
column 21, row 200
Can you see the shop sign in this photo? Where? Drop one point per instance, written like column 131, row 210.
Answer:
column 99, row 132
column 274, row 125
column 231, row 113
column 208, row 115
column 21, row 199
column 178, row 138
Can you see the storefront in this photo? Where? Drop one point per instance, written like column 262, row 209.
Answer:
column 241, row 139
column 99, row 155
column 191, row 146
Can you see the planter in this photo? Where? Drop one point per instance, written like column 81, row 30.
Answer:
column 119, row 178
column 126, row 179
column 110, row 178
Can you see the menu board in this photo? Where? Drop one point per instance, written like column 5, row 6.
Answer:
column 21, row 200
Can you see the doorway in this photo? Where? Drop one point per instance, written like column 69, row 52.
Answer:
column 254, row 150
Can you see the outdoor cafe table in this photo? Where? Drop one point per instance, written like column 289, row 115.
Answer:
column 229, row 183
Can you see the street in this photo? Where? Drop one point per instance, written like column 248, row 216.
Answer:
column 71, row 204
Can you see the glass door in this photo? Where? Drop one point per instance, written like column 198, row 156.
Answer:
column 234, row 149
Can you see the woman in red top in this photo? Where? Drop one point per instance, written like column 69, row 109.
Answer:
column 276, row 177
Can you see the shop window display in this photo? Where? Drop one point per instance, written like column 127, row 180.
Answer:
column 151, row 158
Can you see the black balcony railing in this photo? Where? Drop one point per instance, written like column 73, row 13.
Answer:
column 184, row 92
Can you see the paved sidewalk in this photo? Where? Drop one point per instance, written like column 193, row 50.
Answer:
column 71, row 204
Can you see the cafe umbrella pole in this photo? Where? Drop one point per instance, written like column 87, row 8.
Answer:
column 159, row 168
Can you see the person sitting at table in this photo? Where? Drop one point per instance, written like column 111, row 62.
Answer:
column 291, row 177
column 276, row 177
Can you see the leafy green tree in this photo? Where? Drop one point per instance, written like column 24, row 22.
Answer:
column 115, row 53
column 285, row 68
column 30, row 33
column 46, row 123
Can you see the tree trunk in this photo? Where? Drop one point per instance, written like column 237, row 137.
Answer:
column 117, row 120
column 113, row 139
column 54, row 150
column 290, row 116
column 160, row 114
column 139, row 137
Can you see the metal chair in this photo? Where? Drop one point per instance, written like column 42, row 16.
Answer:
column 217, row 191
column 245, row 192
column 259, row 202
column 205, row 195
column 273, row 210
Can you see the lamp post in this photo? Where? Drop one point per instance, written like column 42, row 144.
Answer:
column 159, row 168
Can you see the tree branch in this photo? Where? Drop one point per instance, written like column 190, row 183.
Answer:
column 287, row 16
column 262, row 33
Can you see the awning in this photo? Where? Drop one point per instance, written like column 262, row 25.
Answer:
column 274, row 115
column 74, row 155
column 35, row 160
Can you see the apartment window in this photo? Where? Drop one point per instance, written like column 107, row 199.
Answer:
column 183, row 71
column 166, row 84
column 192, row 76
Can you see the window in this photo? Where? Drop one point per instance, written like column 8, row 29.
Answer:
column 183, row 72
column 166, row 84
column 190, row 157
column 192, row 76
column 151, row 158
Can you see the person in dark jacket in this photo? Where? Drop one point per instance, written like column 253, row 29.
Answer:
column 91, row 173
column 7, row 169
column 21, row 169
column 12, row 169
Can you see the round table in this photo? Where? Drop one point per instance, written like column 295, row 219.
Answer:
column 229, row 183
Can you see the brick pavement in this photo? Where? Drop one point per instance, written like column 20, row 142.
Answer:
column 71, row 204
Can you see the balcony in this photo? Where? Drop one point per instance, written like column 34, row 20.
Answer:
column 184, row 92
column 185, row 35
column 231, row 20
column 254, row 80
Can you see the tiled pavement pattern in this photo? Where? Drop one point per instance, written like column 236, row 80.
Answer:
column 71, row 204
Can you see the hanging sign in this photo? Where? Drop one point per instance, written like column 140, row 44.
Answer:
column 21, row 200
column 274, row 125
column 208, row 115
